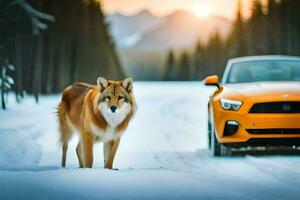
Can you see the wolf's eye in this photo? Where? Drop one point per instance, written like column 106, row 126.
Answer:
column 121, row 97
column 107, row 98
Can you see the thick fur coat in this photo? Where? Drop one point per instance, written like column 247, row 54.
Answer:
column 99, row 112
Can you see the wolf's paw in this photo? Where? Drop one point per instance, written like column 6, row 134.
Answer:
column 116, row 169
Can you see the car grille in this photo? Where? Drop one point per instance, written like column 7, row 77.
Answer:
column 276, row 107
column 274, row 131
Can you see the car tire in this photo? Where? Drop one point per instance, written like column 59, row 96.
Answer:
column 209, row 134
column 215, row 145
column 217, row 149
column 225, row 151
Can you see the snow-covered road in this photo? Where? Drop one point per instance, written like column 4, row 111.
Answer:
column 163, row 155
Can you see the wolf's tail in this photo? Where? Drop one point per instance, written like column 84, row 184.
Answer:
column 65, row 131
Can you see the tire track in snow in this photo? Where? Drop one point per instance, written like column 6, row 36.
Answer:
column 202, row 170
column 278, row 172
column 170, row 109
column 181, row 120
column 221, row 171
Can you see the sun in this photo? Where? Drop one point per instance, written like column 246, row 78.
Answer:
column 202, row 10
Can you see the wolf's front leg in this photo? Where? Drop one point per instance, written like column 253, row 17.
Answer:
column 110, row 151
column 106, row 148
column 87, row 150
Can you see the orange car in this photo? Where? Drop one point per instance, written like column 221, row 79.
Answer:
column 256, row 104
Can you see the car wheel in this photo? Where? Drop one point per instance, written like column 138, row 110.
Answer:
column 225, row 151
column 209, row 134
column 216, row 148
column 215, row 145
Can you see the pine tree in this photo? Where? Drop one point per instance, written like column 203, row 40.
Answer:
column 273, row 28
column 292, row 26
column 257, row 8
column 184, row 66
column 237, row 40
column 170, row 67
column 6, row 81
column 257, row 28
column 199, row 62
column 19, row 20
column 215, row 54
column 76, row 47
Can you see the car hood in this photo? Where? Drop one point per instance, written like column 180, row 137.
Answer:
column 256, row 89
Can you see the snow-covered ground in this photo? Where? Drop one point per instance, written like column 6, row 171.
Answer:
column 163, row 155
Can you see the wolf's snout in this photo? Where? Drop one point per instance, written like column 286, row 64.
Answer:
column 113, row 108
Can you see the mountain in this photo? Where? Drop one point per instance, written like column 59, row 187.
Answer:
column 127, row 30
column 180, row 29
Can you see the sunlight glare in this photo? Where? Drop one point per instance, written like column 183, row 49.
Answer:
column 202, row 10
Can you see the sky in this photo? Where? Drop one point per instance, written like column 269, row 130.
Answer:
column 226, row 8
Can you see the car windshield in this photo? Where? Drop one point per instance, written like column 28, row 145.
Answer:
column 266, row 70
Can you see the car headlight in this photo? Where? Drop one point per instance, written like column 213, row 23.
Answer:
column 228, row 104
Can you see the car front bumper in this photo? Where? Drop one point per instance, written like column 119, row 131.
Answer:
column 257, row 128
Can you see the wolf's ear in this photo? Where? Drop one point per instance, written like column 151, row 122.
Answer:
column 127, row 83
column 102, row 82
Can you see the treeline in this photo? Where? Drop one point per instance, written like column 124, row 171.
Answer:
column 273, row 28
column 76, row 46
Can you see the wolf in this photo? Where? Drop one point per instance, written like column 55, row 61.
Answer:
column 99, row 113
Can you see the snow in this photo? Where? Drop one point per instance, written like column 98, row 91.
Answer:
column 163, row 155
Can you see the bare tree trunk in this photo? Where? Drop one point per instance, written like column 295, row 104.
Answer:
column 3, row 89
column 38, row 68
column 19, row 79
column 49, row 86
column 2, row 76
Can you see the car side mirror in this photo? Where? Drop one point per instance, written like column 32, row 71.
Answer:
column 212, row 80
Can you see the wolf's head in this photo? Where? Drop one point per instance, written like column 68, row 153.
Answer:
column 115, row 101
